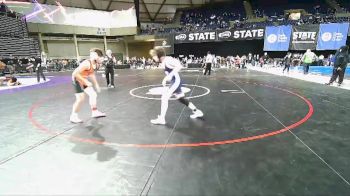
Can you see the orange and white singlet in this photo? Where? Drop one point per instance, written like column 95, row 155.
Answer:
column 86, row 73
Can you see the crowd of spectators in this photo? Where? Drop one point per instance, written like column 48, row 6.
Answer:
column 214, row 18
column 237, row 61
column 14, row 65
column 232, row 61
column 4, row 10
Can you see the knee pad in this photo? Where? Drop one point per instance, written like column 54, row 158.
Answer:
column 93, row 95
column 90, row 92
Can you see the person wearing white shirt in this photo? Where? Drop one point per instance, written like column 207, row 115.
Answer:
column 209, row 60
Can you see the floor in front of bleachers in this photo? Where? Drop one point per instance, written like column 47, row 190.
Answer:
column 261, row 135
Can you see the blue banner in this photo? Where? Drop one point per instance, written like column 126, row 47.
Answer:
column 277, row 38
column 332, row 36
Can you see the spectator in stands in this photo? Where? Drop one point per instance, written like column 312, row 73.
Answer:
column 243, row 61
column 2, row 79
column 307, row 59
column 12, row 14
column 330, row 60
column 265, row 58
column 237, row 62
column 320, row 60
column 30, row 67
column 250, row 59
column 296, row 59
column 231, row 62
column 287, row 62
column 10, row 64
column 15, row 63
column 3, row 8
column 341, row 59
column 256, row 60
column 2, row 67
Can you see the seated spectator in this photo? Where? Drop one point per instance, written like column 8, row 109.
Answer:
column 238, row 62
column 320, row 60
column 3, row 8
column 2, row 67
column 2, row 79
column 12, row 14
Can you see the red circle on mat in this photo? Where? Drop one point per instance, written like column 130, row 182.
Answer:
column 199, row 144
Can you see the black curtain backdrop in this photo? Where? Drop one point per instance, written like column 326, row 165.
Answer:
column 137, row 8
column 228, row 48
column 233, row 48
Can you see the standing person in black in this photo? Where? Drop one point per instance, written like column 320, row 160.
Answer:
column 39, row 62
column 109, row 71
column 287, row 61
column 23, row 62
column 10, row 64
column 265, row 58
column 16, row 64
column 250, row 59
column 341, row 59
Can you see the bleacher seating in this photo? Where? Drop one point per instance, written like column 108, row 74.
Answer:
column 14, row 39
column 225, row 16
column 13, row 27
column 214, row 17
column 344, row 4
column 19, row 47
column 277, row 7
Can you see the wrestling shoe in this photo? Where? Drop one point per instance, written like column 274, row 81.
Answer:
column 158, row 121
column 97, row 114
column 197, row 114
column 75, row 119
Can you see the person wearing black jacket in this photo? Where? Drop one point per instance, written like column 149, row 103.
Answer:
column 39, row 62
column 265, row 59
column 3, row 8
column 16, row 64
column 109, row 71
column 341, row 59
column 287, row 61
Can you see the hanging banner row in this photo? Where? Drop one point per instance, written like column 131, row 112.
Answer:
column 278, row 38
column 314, row 37
column 219, row 35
